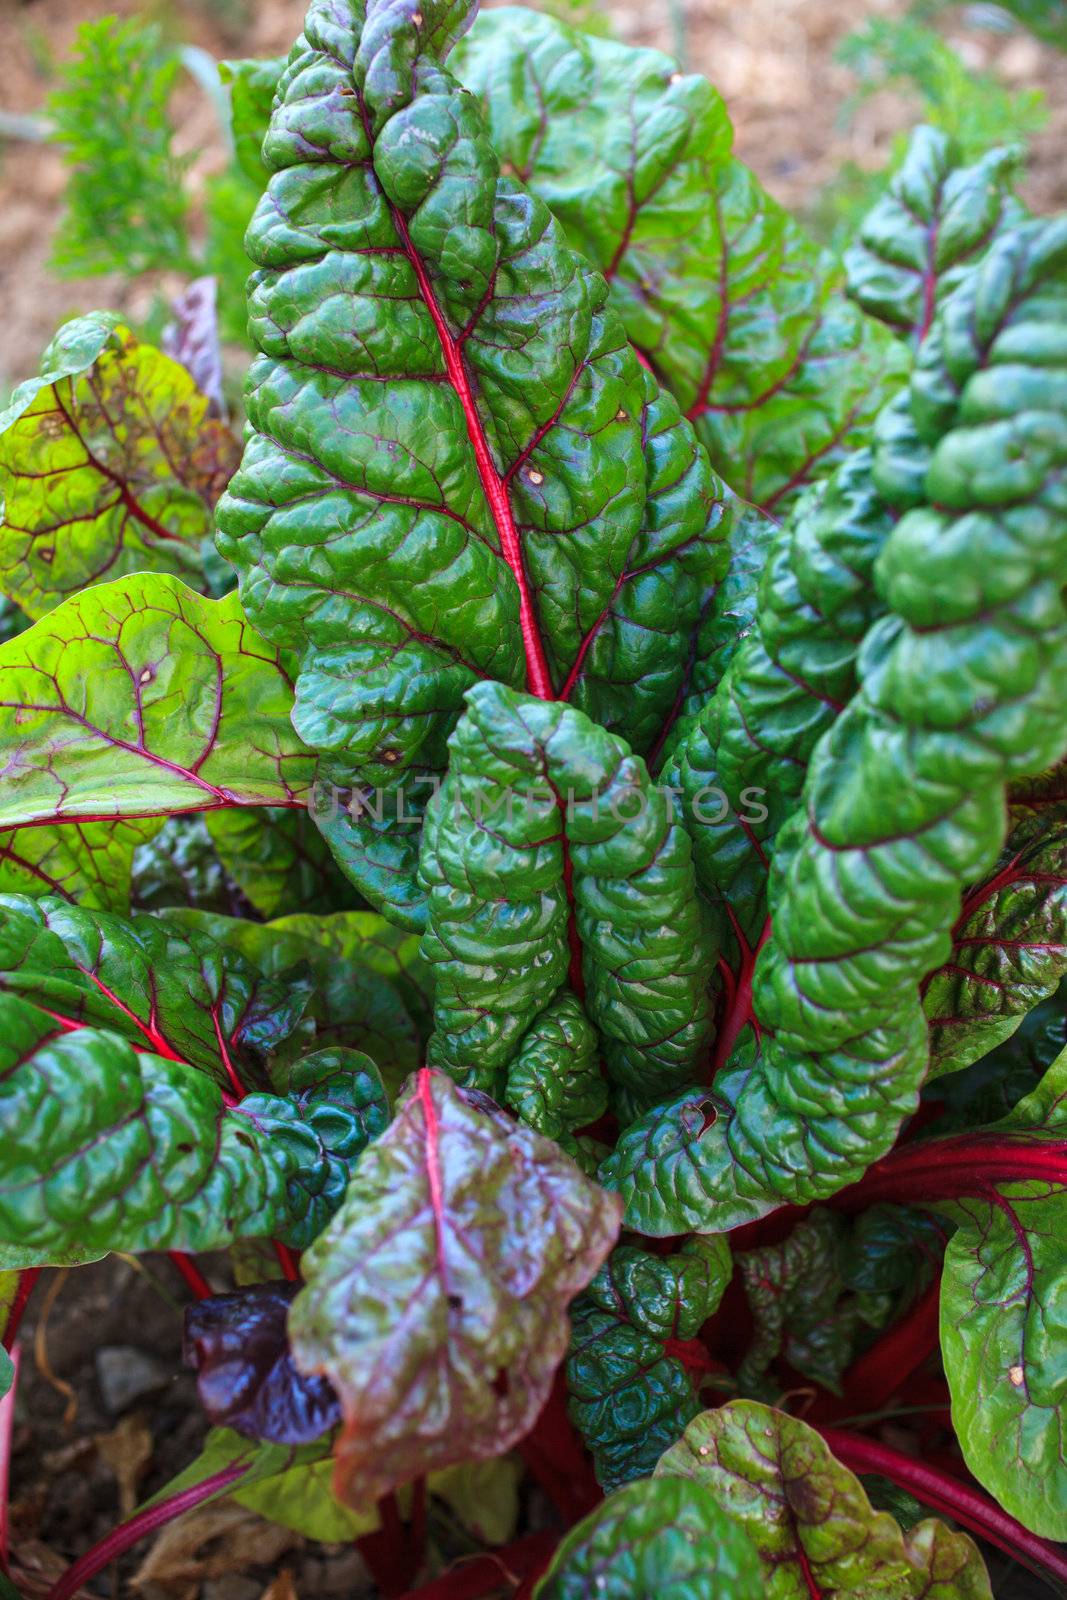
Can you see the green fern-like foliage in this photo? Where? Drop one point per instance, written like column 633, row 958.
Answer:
column 126, row 201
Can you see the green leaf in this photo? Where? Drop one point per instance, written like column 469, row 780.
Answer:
column 279, row 860
column 437, row 1305
column 12, row 620
column 809, row 1518
column 301, row 1498
column 176, row 867
column 796, row 1294
column 263, row 1463
column 141, row 698
column 457, row 468
column 631, row 1394
column 536, row 793
column 90, row 863
column 1009, row 949
column 1003, row 1325
column 106, row 1149
column 177, row 993
column 353, row 1004
column 252, row 84
column 714, row 282
column 109, row 464
column 935, row 221
column 554, row 1083
column 653, row 1538
column 959, row 692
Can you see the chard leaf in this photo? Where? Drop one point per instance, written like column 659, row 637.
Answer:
column 239, row 1348
column 554, row 1083
column 12, row 620
column 436, row 1300
column 301, row 1498
column 714, row 282
column 105, row 1149
column 656, row 1537
column 796, row 1294
column 809, row 1518
column 351, row 1004
column 933, row 223
column 252, row 84
column 263, row 1463
column 90, row 863
column 958, row 690
column 177, row 993
column 109, row 463
column 177, row 867
column 456, row 468
column 142, row 698
column 537, row 794
column 1003, row 1325
column 1009, row 949
column 279, row 860
column 192, row 339
column 631, row 1393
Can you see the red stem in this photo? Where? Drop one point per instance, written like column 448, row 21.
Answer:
column 942, row 1492
column 520, row 1562
column 393, row 1558
column 192, row 1274
column 289, row 1262
column 739, row 998
column 120, row 1539
column 7, row 1429
column 23, row 1290
column 874, row 1379
column 962, row 1164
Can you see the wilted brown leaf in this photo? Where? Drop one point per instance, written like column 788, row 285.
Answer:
column 127, row 1450
column 210, row 1541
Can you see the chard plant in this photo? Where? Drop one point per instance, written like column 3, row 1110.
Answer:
column 569, row 890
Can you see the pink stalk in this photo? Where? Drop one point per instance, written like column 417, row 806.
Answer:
column 192, row 1274
column 7, row 1429
column 942, row 1492
column 120, row 1539
column 27, row 1279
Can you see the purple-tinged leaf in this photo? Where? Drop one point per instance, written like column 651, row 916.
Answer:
column 436, row 1300
column 238, row 1345
column 193, row 339
column 109, row 464
column 809, row 1517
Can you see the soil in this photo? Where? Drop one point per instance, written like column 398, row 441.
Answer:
column 772, row 60
column 81, row 1463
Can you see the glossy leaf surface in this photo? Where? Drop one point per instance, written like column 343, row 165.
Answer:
column 631, row 1393
column 655, row 1537
column 436, row 1302
column 808, row 1517
column 141, row 698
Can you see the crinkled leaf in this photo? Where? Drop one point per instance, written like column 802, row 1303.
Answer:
column 1009, row 949
column 238, row 1346
column 554, row 1082
column 935, row 220
column 1003, row 1326
column 352, row 1004
column 796, row 1294
column 109, row 463
column 959, row 692
column 279, row 860
column 173, row 991
column 106, row 1149
column 892, row 1248
column 141, row 698
column 537, row 794
column 809, row 1518
column 631, row 1393
column 457, row 467
column 90, row 863
column 436, row 1302
column 654, row 1538
column 375, row 834
column 714, row 282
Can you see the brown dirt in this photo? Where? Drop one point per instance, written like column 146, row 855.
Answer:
column 772, row 59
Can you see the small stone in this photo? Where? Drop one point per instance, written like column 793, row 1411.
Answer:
column 126, row 1375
